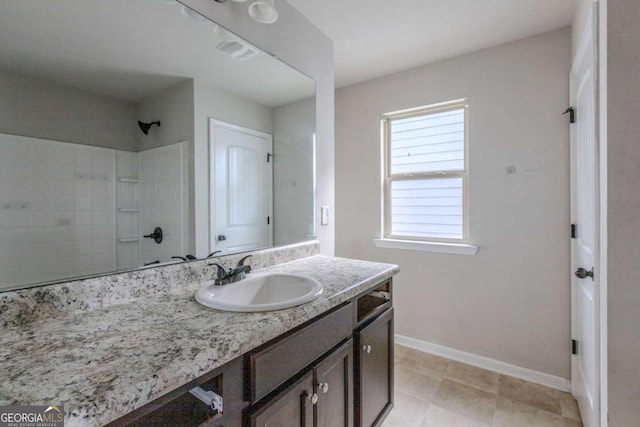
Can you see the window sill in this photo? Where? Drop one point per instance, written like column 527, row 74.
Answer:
column 437, row 247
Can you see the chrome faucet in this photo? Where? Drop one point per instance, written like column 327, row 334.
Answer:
column 224, row 276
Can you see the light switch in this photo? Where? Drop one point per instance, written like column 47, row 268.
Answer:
column 325, row 215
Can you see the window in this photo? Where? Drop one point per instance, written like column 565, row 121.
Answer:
column 425, row 185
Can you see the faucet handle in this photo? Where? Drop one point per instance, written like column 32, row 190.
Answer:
column 221, row 272
column 242, row 260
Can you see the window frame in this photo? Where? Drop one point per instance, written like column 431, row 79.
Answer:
column 388, row 178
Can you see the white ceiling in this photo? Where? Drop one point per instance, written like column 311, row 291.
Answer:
column 379, row 37
column 131, row 49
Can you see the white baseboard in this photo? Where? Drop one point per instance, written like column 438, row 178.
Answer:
column 530, row 375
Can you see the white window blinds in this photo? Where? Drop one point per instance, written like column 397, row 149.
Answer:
column 427, row 208
column 426, row 173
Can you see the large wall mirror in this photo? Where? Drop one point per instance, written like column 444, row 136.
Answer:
column 137, row 133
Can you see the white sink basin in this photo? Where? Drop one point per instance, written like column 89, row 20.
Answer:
column 260, row 292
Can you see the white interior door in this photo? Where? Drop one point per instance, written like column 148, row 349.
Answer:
column 242, row 188
column 585, row 364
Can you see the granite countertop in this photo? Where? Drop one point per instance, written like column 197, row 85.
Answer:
column 103, row 363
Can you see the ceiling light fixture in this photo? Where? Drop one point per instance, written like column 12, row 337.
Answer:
column 263, row 11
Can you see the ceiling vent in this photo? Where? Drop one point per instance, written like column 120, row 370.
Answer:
column 237, row 50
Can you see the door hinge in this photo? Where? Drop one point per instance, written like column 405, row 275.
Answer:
column 574, row 231
column 572, row 114
column 574, row 347
column 268, row 220
column 269, row 156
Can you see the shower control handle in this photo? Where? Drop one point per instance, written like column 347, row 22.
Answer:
column 156, row 235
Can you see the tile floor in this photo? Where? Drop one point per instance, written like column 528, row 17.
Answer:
column 433, row 391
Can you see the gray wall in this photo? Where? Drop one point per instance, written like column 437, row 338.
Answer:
column 294, row 125
column 174, row 108
column 510, row 302
column 39, row 108
column 297, row 42
column 623, row 205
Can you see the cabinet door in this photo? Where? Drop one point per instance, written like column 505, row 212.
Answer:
column 292, row 408
column 334, row 386
column 374, row 370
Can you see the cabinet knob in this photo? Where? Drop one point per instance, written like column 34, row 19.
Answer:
column 313, row 398
column 366, row 348
column 323, row 387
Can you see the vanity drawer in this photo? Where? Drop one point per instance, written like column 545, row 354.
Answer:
column 373, row 302
column 271, row 366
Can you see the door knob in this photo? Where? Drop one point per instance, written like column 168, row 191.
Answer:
column 366, row 348
column 583, row 273
column 313, row 398
column 222, row 237
column 323, row 387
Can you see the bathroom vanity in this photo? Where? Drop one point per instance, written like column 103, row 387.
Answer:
column 334, row 370
column 134, row 361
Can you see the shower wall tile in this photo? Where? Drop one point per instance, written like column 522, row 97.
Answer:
column 162, row 187
column 49, row 208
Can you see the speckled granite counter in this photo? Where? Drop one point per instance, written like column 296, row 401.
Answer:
column 104, row 362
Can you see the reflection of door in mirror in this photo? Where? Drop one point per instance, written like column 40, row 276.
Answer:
column 242, row 188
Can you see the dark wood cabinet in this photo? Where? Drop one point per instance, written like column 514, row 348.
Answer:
column 323, row 397
column 374, row 370
column 292, row 408
column 274, row 363
column 180, row 408
column 334, row 386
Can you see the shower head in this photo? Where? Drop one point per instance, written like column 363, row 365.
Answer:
column 144, row 127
